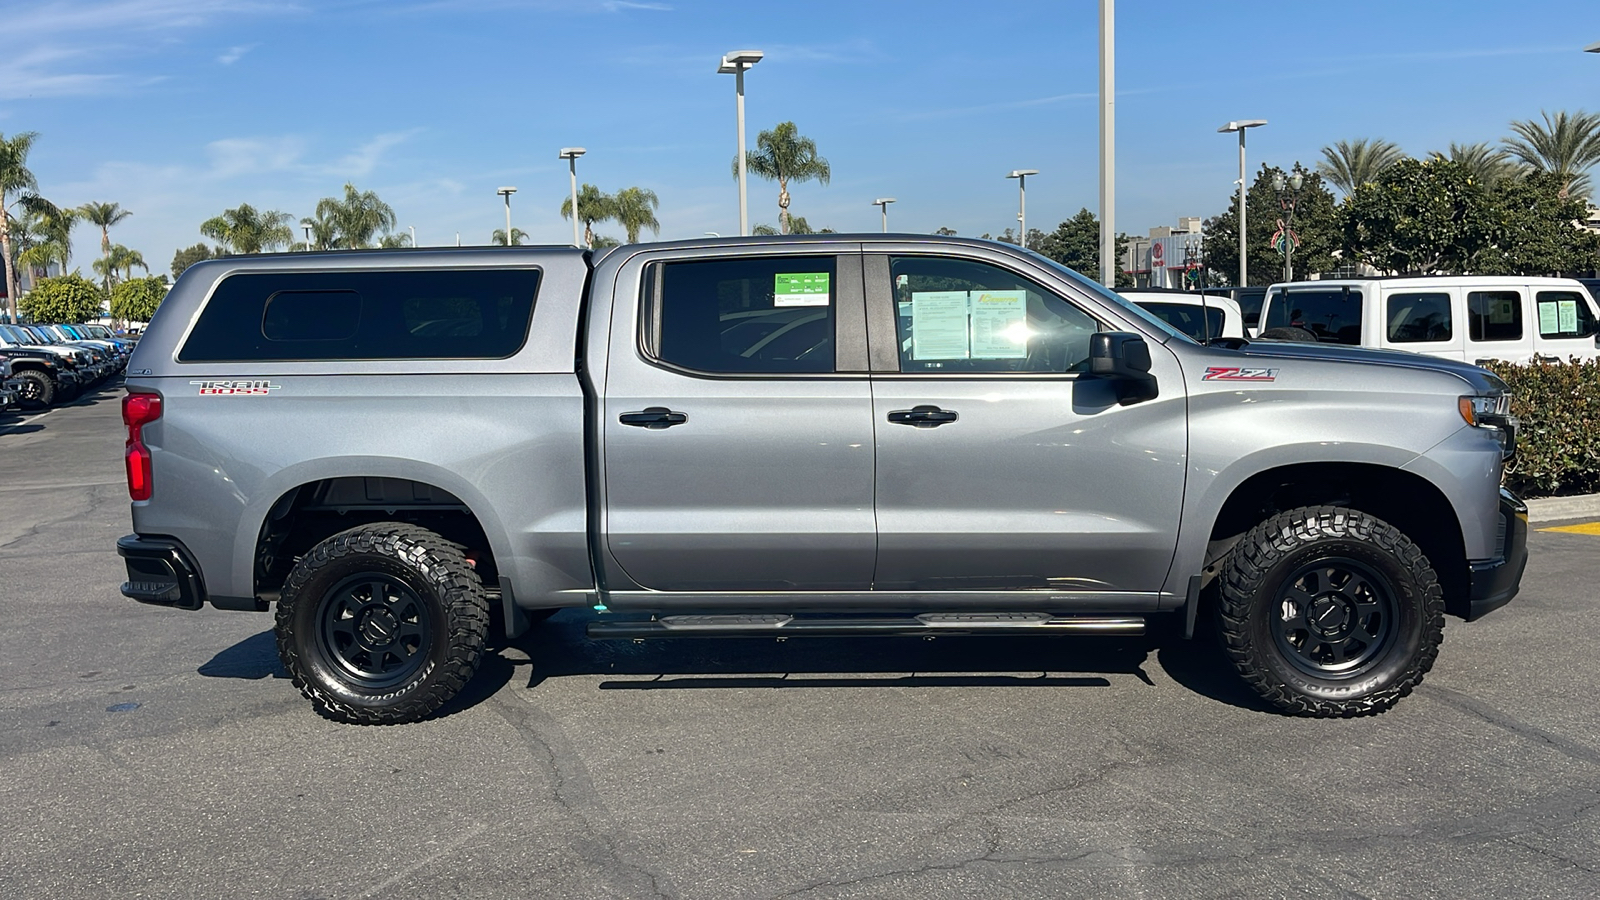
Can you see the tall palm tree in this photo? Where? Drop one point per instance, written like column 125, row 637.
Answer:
column 395, row 241
column 784, row 155
column 16, row 181
column 636, row 209
column 359, row 216
column 1349, row 164
column 120, row 259
column 518, row 237
column 245, row 229
column 1567, row 145
column 105, row 215
column 594, row 205
column 1489, row 166
column 324, row 232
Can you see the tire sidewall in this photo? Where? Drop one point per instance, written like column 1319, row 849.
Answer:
column 317, row 666
column 1397, row 660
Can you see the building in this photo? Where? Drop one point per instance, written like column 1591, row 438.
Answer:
column 1167, row 256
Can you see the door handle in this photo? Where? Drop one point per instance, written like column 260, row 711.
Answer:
column 653, row 417
column 923, row 416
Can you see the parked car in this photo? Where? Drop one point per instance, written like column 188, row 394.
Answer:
column 791, row 436
column 1465, row 317
column 47, row 374
column 1202, row 316
column 10, row 387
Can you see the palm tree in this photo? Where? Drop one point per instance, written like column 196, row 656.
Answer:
column 324, row 232
column 1489, row 167
column 105, row 215
column 50, row 231
column 518, row 237
column 120, row 259
column 395, row 241
column 636, row 209
column 247, row 230
column 783, row 155
column 358, row 217
column 16, row 181
column 1566, row 145
column 1349, row 164
column 594, row 206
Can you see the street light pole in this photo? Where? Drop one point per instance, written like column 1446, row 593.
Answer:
column 1240, row 126
column 308, row 237
column 883, row 204
column 1592, row 48
column 506, row 192
column 1021, row 175
column 734, row 63
column 571, row 154
column 1108, row 143
column 413, row 230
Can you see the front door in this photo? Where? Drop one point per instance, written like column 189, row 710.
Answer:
column 737, row 447
column 1001, row 465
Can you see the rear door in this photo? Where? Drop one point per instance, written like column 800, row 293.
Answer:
column 1565, row 323
column 737, row 422
column 1497, row 326
column 1422, row 321
column 1001, row 465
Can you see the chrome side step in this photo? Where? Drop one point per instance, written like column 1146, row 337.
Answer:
column 940, row 623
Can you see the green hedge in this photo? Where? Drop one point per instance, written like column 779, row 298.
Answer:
column 1559, row 447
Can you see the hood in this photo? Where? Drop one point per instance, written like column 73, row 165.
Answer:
column 1482, row 380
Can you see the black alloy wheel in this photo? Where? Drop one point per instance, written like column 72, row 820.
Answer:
column 376, row 629
column 1335, row 616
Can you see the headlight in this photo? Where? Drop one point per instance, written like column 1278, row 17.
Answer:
column 1484, row 410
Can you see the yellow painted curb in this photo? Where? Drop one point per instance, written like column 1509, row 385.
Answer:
column 1581, row 528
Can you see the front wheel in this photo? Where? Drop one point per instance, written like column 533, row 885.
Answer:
column 381, row 624
column 1330, row 612
column 38, row 389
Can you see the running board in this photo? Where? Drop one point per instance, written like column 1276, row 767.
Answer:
column 783, row 625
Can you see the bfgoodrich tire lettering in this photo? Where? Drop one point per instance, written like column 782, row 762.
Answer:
column 382, row 624
column 1330, row 612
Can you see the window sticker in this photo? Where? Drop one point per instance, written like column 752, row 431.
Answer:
column 999, row 324
column 1549, row 317
column 1567, row 316
column 800, row 289
column 1502, row 310
column 939, row 325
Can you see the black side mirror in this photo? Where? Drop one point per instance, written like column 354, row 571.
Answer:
column 1124, row 358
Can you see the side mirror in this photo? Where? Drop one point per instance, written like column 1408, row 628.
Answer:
column 1125, row 359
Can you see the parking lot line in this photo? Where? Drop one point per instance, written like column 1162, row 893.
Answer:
column 1580, row 528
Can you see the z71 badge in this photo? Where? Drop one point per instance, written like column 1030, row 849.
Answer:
column 236, row 388
column 1239, row 373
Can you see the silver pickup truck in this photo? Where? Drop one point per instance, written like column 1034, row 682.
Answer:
column 830, row 435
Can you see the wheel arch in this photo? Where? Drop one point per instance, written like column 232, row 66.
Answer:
column 1409, row 502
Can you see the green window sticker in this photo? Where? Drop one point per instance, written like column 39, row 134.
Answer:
column 800, row 289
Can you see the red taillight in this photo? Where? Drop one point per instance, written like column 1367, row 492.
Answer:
column 139, row 410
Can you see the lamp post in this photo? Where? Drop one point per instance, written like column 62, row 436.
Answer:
column 571, row 154
column 1286, row 225
column 308, row 236
column 1240, row 126
column 1108, row 143
column 413, row 230
column 883, row 204
column 1592, row 48
column 734, row 63
column 1021, row 175
column 506, row 192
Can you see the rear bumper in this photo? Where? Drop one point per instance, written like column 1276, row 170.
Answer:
column 1496, row 581
column 161, row 572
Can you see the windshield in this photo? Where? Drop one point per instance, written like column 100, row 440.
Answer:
column 1186, row 318
column 1099, row 290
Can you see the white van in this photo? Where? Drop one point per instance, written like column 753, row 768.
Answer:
column 1465, row 317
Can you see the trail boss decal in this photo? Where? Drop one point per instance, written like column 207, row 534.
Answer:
column 236, row 388
column 1239, row 373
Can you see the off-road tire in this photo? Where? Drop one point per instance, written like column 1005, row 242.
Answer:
column 324, row 628
column 1273, row 568
column 43, row 386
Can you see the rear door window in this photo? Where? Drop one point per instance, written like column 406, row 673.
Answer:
column 1417, row 318
column 744, row 316
column 1186, row 318
column 1332, row 314
column 1494, row 315
column 356, row 315
column 1563, row 314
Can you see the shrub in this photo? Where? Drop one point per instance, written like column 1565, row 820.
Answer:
column 66, row 298
column 1558, row 448
column 136, row 299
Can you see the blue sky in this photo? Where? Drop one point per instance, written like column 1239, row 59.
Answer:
column 178, row 109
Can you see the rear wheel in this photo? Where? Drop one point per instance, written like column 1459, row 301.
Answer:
column 382, row 624
column 1329, row 612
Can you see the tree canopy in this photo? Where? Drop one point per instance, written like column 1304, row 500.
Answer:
column 1566, row 145
column 67, row 298
column 1348, row 164
column 783, row 155
column 357, row 217
column 188, row 256
column 1316, row 224
column 136, row 299
column 244, row 229
column 1076, row 244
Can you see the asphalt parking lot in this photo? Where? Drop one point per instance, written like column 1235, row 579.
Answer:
column 147, row 752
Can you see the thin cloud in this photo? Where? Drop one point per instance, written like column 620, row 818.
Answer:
column 234, row 54
column 365, row 158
